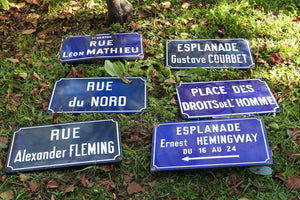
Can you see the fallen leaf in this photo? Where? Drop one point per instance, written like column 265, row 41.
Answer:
column 35, row 2
column 23, row 177
column 70, row 188
column 76, row 73
column 16, row 99
column 135, row 26
column 277, row 58
column 52, row 184
column 28, row 31
column 260, row 60
column 3, row 178
column 13, row 60
column 85, row 181
column 293, row 182
column 166, row 4
column 17, row 5
column 36, row 76
column 48, row 31
column 7, row 195
column 55, row 118
column 185, row 5
column 170, row 81
column 133, row 188
column 291, row 131
column 296, row 21
column 34, row 186
column 91, row 4
column 34, row 91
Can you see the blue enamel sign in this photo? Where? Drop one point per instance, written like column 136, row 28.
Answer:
column 105, row 46
column 209, row 53
column 94, row 95
column 64, row 145
column 209, row 144
column 225, row 98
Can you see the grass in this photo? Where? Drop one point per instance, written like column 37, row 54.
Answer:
column 29, row 67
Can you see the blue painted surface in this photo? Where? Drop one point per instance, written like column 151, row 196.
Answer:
column 209, row 53
column 64, row 145
column 98, row 47
column 209, row 144
column 98, row 95
column 225, row 98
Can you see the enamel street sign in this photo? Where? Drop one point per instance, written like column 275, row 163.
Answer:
column 64, row 145
column 209, row 53
column 105, row 46
column 225, row 98
column 94, row 95
column 209, row 144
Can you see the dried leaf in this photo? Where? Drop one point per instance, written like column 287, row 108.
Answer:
column 170, row 81
column 296, row 21
column 91, row 4
column 55, row 118
column 36, row 76
column 4, row 140
column 34, row 92
column 13, row 60
column 85, row 181
column 7, row 195
column 52, row 184
column 17, row 5
column 70, row 188
column 127, row 179
column 293, row 182
column 166, row 4
column 34, row 186
column 185, row 5
column 23, row 177
column 277, row 58
column 291, row 131
column 133, row 188
column 260, row 60
column 135, row 26
column 28, row 31
column 35, row 2
column 3, row 178
column 16, row 99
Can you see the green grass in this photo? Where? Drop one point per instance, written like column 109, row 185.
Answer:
column 26, row 84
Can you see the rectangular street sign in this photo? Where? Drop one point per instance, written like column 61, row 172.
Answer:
column 98, row 95
column 64, row 145
column 209, row 53
column 104, row 46
column 209, row 144
column 225, row 98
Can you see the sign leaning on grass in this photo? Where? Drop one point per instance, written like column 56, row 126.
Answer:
column 225, row 98
column 64, row 145
column 209, row 53
column 94, row 95
column 209, row 144
column 105, row 46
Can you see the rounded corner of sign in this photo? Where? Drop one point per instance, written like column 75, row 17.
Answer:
column 143, row 110
column 278, row 110
column 153, row 168
column 49, row 111
column 118, row 158
column 178, row 85
column 185, row 116
column 141, row 56
column 9, row 169
column 251, row 66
